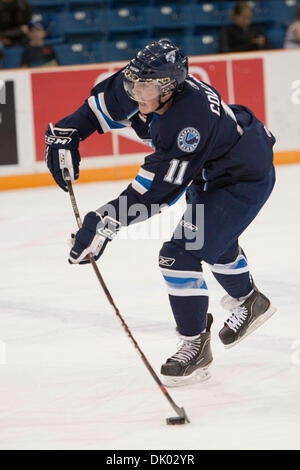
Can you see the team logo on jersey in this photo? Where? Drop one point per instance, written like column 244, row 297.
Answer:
column 188, row 139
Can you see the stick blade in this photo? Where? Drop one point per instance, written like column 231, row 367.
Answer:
column 180, row 419
column 176, row 420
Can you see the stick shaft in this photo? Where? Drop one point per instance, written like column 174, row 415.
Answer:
column 177, row 409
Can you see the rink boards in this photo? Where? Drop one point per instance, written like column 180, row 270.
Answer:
column 267, row 82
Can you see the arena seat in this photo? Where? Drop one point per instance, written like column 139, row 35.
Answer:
column 78, row 26
column 125, row 21
column 12, row 57
column 69, row 54
column 202, row 44
column 281, row 12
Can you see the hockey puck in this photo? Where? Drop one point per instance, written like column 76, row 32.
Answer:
column 176, row 420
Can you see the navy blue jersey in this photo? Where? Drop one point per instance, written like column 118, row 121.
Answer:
column 198, row 139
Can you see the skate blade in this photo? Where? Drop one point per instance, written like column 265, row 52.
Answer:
column 256, row 324
column 199, row 375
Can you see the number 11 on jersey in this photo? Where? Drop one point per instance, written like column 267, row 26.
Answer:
column 175, row 175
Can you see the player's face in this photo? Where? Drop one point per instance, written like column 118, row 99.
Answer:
column 148, row 106
column 145, row 93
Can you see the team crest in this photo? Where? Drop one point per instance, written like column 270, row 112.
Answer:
column 188, row 139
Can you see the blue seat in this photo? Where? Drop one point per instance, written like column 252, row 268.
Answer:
column 167, row 17
column 178, row 2
column 39, row 6
column 125, row 20
column 202, row 44
column 226, row 9
column 281, row 12
column 78, row 26
column 43, row 17
column 277, row 34
column 87, row 4
column 12, row 57
column 123, row 3
column 70, row 54
column 99, row 52
column 122, row 49
column 205, row 14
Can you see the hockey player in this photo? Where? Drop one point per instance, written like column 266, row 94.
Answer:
column 220, row 155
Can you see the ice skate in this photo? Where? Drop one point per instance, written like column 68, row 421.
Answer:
column 246, row 316
column 190, row 363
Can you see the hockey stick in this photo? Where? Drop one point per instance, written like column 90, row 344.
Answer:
column 182, row 416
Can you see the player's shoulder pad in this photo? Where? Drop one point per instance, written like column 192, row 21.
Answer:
column 117, row 102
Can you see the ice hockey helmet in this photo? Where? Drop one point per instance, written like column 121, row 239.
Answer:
column 160, row 62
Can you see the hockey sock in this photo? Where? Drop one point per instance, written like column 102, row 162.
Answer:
column 190, row 313
column 186, row 287
column 234, row 277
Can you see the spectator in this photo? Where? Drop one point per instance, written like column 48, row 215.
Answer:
column 15, row 17
column 292, row 39
column 36, row 53
column 242, row 35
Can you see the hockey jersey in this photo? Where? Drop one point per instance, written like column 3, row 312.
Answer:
column 199, row 139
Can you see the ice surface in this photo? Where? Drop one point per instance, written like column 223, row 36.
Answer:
column 72, row 379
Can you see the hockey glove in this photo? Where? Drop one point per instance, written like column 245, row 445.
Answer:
column 92, row 237
column 62, row 152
